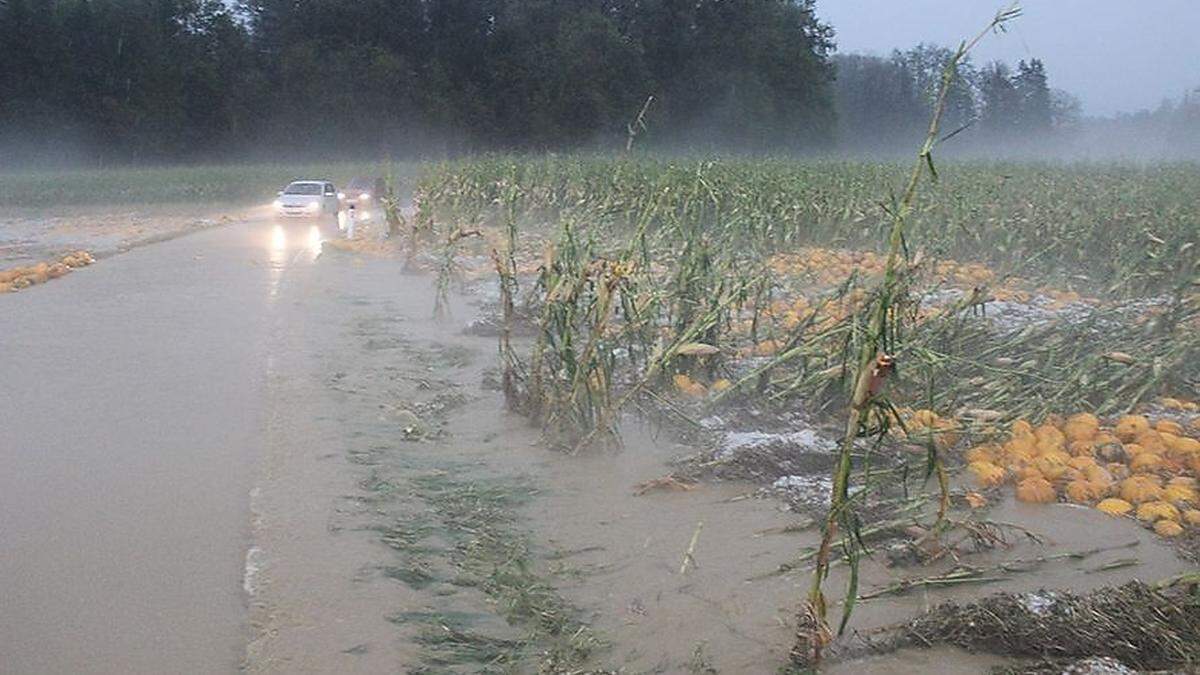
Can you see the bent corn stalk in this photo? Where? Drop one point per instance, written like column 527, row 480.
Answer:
column 884, row 314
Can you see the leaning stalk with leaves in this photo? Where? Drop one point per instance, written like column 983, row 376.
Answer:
column 885, row 315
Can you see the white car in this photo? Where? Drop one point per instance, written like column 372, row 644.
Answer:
column 308, row 199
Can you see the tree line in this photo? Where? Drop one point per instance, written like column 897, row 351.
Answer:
column 204, row 79
column 193, row 78
column 1000, row 111
column 884, row 102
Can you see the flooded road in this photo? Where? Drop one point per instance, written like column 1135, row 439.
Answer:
column 235, row 452
column 132, row 413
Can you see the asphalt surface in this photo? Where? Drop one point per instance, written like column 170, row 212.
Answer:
column 131, row 417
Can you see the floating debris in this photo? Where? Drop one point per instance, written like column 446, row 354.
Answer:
column 19, row 278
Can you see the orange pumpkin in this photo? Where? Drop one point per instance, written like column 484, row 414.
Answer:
column 1140, row 489
column 1083, row 492
column 1147, row 462
column 1166, row 426
column 1081, row 448
column 1180, row 495
column 1022, row 428
column 1115, row 507
column 1154, row 511
column 1168, row 528
column 1130, row 427
column 1036, row 490
column 1151, row 441
column 986, row 473
column 987, row 452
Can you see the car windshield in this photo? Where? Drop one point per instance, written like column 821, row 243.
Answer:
column 360, row 184
column 303, row 189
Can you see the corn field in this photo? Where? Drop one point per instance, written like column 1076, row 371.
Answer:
column 632, row 269
column 679, row 288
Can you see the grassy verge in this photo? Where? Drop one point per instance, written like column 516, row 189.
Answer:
column 233, row 183
column 465, row 534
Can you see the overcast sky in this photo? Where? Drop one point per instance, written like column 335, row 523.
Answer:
column 1115, row 55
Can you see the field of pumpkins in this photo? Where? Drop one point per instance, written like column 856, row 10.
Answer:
column 1139, row 465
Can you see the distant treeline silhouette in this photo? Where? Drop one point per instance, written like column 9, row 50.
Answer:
column 177, row 78
column 158, row 80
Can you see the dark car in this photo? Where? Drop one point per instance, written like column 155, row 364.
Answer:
column 363, row 192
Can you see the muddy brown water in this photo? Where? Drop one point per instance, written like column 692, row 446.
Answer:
column 215, row 490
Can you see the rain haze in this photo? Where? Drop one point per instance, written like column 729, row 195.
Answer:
column 718, row 337
column 1115, row 56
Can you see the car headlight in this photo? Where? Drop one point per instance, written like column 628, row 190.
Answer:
column 312, row 206
column 278, row 204
column 366, row 196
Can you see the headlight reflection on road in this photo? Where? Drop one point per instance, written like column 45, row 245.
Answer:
column 277, row 255
column 281, row 252
column 314, row 241
column 278, row 244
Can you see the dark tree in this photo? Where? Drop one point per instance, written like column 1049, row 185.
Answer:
column 158, row 79
column 1037, row 114
column 1000, row 109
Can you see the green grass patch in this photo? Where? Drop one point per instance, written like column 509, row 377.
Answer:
column 224, row 184
column 491, row 553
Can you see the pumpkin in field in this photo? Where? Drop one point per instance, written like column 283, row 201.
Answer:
column 1083, row 492
column 1021, row 447
column 1154, row 511
column 1022, row 428
column 1115, row 507
column 1130, row 427
column 1171, row 403
column 1036, row 490
column 1168, row 528
column 1182, row 446
column 1081, row 427
column 986, row 473
column 1140, row 489
column 1081, row 462
column 1172, row 427
column 1049, row 438
column 945, row 434
column 1147, row 462
column 1098, row 476
column 1179, row 495
column 1071, row 474
column 1081, row 448
column 982, row 453
column 924, row 418
column 1151, row 441
column 1028, row 470
column 1052, row 466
